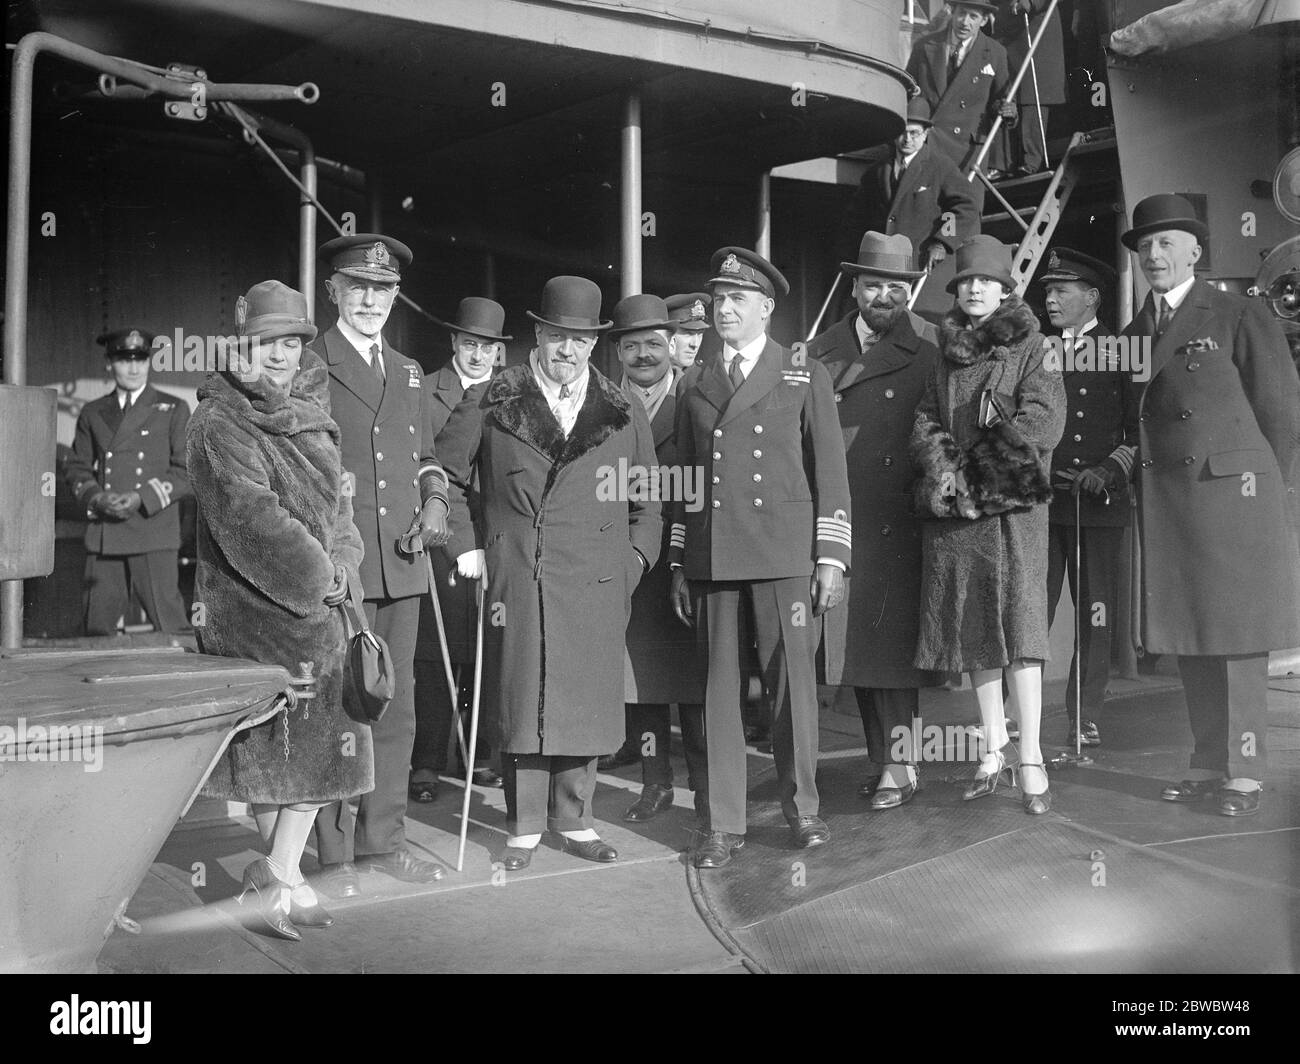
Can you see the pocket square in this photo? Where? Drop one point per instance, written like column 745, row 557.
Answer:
column 988, row 69
column 921, row 188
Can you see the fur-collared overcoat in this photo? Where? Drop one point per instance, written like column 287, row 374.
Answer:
column 561, row 535
column 273, row 521
column 984, row 548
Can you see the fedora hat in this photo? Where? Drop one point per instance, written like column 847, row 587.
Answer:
column 479, row 317
column 884, row 256
column 984, row 256
column 271, row 309
column 640, row 312
column 571, row 303
column 1164, row 211
column 984, row 5
column 918, row 112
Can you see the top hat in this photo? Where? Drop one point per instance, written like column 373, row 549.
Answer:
column 640, row 312
column 272, row 309
column 984, row 256
column 126, row 343
column 689, row 311
column 479, row 317
column 1164, row 211
column 369, row 256
column 746, row 269
column 918, row 112
column 883, row 256
column 571, row 303
column 1066, row 264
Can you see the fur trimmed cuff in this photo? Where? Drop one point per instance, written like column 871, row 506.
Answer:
column 936, row 454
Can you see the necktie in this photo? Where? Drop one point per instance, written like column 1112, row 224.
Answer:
column 564, row 391
column 377, row 362
column 128, row 400
column 1163, row 314
column 954, row 63
column 734, row 375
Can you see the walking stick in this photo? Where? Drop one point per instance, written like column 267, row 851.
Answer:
column 452, row 686
column 916, row 292
column 473, row 721
column 1038, row 100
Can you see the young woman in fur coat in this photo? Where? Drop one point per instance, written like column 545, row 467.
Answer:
column 982, row 442
column 276, row 546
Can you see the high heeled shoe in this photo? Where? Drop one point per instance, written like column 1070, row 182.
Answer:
column 313, row 915
column 1035, row 804
column 270, row 891
column 985, row 783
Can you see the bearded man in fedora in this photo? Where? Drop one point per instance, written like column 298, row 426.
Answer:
column 568, row 530
column 1218, row 441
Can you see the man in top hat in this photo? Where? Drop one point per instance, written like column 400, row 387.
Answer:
column 963, row 76
column 568, row 529
column 1218, row 433
column 661, row 665
column 879, row 359
column 689, row 312
column 913, row 189
column 773, row 536
column 452, row 397
column 127, row 468
column 377, row 398
column 1091, row 467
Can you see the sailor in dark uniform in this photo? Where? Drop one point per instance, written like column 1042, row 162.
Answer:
column 1091, row 467
column 689, row 312
column 377, row 399
column 772, row 535
column 127, row 469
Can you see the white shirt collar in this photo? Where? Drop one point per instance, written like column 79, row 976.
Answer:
column 1086, row 328
column 467, row 383
column 121, row 394
column 864, row 333
column 748, row 354
column 1175, row 296
column 550, row 389
column 359, row 341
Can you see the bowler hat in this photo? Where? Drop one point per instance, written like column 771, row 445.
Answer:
column 271, row 309
column 746, row 269
column 479, row 317
column 640, row 312
column 571, row 303
column 918, row 112
column 984, row 256
column 369, row 256
column 1164, row 211
column 1066, row 264
column 688, row 311
column 883, row 256
column 126, row 343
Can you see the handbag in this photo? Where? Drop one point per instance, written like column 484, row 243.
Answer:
column 368, row 673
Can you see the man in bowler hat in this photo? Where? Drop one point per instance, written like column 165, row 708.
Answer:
column 1091, row 467
column 1218, row 436
column 452, row 395
column 377, row 399
column 879, row 359
column 127, row 468
column 568, row 531
column 773, row 536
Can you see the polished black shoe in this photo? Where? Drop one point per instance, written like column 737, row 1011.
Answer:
column 627, row 754
column 1233, row 802
column 809, row 831
column 338, row 880
column 269, row 904
column 893, row 797
column 401, row 864
column 309, row 915
column 716, row 848
column 1035, row 804
column 869, row 786
column 422, row 791
column 1191, row 790
column 1089, row 734
column 591, row 850
column 996, row 174
column 513, row 858
column 655, row 798
column 487, row 777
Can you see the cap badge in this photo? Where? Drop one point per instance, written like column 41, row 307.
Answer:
column 731, row 264
column 1053, row 261
column 134, row 339
column 377, row 254
column 241, row 311
column 697, row 311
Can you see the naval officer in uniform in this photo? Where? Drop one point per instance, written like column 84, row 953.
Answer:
column 127, row 469
column 377, row 398
column 773, row 536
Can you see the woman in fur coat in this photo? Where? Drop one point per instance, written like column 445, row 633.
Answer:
column 982, row 443
column 276, row 547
